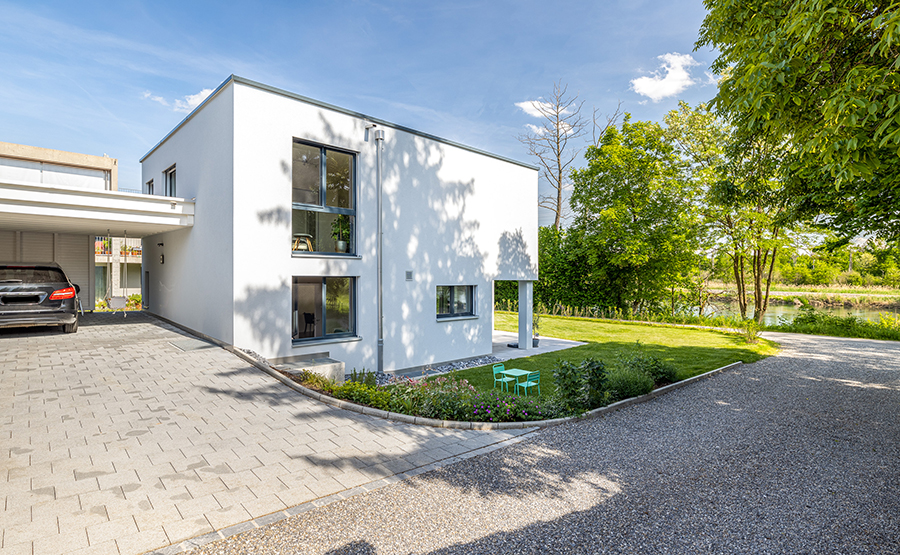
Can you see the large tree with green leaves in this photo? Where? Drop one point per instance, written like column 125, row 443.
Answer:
column 741, row 199
column 634, row 216
column 821, row 76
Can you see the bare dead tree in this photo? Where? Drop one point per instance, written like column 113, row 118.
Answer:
column 561, row 122
column 603, row 123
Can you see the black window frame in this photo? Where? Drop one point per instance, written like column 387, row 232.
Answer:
column 322, row 206
column 327, row 336
column 452, row 314
column 148, row 187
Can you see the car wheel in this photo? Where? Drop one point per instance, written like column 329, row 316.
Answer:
column 71, row 328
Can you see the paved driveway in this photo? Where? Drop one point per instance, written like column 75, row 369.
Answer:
column 795, row 454
column 116, row 440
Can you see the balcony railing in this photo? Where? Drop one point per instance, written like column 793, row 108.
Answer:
column 125, row 247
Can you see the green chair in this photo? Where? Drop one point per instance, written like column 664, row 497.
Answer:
column 499, row 377
column 531, row 380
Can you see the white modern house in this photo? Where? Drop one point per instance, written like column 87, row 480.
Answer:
column 285, row 257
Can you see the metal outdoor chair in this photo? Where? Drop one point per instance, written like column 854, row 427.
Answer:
column 533, row 379
column 501, row 378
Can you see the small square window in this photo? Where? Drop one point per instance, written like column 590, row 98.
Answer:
column 455, row 300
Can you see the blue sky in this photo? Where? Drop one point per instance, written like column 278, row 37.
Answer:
column 114, row 77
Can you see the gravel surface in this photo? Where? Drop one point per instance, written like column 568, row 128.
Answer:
column 794, row 454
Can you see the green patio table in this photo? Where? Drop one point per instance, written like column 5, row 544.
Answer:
column 515, row 373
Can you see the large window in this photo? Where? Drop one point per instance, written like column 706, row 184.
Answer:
column 455, row 300
column 323, row 200
column 323, row 307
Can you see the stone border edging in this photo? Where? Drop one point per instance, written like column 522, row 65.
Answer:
column 418, row 420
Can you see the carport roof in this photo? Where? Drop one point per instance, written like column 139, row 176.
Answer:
column 47, row 208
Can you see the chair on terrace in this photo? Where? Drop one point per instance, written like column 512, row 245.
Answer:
column 533, row 379
column 501, row 378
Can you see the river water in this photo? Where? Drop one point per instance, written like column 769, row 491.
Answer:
column 786, row 312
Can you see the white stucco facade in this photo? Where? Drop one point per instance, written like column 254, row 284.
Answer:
column 452, row 215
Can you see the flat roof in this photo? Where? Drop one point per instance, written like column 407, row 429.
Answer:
column 282, row 92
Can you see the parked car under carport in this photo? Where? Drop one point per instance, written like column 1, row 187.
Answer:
column 37, row 295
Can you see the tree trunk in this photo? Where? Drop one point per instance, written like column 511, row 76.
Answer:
column 738, row 265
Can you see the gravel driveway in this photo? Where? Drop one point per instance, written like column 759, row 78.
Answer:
column 794, row 454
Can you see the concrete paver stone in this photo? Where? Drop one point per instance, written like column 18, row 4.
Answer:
column 116, row 441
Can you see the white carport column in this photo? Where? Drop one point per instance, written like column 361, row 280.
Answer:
column 526, row 294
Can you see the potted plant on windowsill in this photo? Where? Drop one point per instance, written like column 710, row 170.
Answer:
column 340, row 232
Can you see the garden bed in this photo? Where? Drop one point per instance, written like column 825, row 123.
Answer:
column 573, row 381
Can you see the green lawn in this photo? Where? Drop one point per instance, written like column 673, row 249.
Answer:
column 692, row 351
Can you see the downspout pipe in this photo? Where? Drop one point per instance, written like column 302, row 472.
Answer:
column 379, row 146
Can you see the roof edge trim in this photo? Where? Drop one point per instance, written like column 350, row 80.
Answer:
column 325, row 105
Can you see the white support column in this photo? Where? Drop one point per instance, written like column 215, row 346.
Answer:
column 526, row 294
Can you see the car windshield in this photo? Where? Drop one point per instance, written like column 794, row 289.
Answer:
column 31, row 274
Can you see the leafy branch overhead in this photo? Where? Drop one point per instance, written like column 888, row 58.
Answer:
column 823, row 77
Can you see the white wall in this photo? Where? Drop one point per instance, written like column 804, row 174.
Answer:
column 194, row 284
column 452, row 216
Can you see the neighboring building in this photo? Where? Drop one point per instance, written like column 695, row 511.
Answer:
column 282, row 257
column 54, row 204
column 117, row 267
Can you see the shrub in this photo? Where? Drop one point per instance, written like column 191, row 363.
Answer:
column 637, row 359
column 625, row 382
column 581, row 387
column 442, row 398
column 569, row 384
column 504, row 407
column 595, row 378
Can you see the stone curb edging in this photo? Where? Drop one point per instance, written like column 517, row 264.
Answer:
column 407, row 419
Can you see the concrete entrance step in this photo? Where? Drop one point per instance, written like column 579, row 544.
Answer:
column 323, row 366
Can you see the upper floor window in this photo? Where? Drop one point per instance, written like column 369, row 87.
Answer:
column 455, row 300
column 169, row 176
column 323, row 197
column 148, row 187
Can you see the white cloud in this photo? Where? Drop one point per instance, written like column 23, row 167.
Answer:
column 672, row 77
column 191, row 101
column 533, row 107
column 185, row 105
column 154, row 98
column 536, row 129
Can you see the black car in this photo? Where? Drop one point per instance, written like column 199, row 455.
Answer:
column 37, row 295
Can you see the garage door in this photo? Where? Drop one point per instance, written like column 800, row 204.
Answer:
column 73, row 252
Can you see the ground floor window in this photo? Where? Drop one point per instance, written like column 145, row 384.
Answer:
column 455, row 300
column 323, row 307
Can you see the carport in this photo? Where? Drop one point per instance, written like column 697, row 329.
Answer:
column 53, row 204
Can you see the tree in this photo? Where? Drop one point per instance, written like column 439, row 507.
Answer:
column 741, row 199
column 821, row 75
column 561, row 122
column 635, row 215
